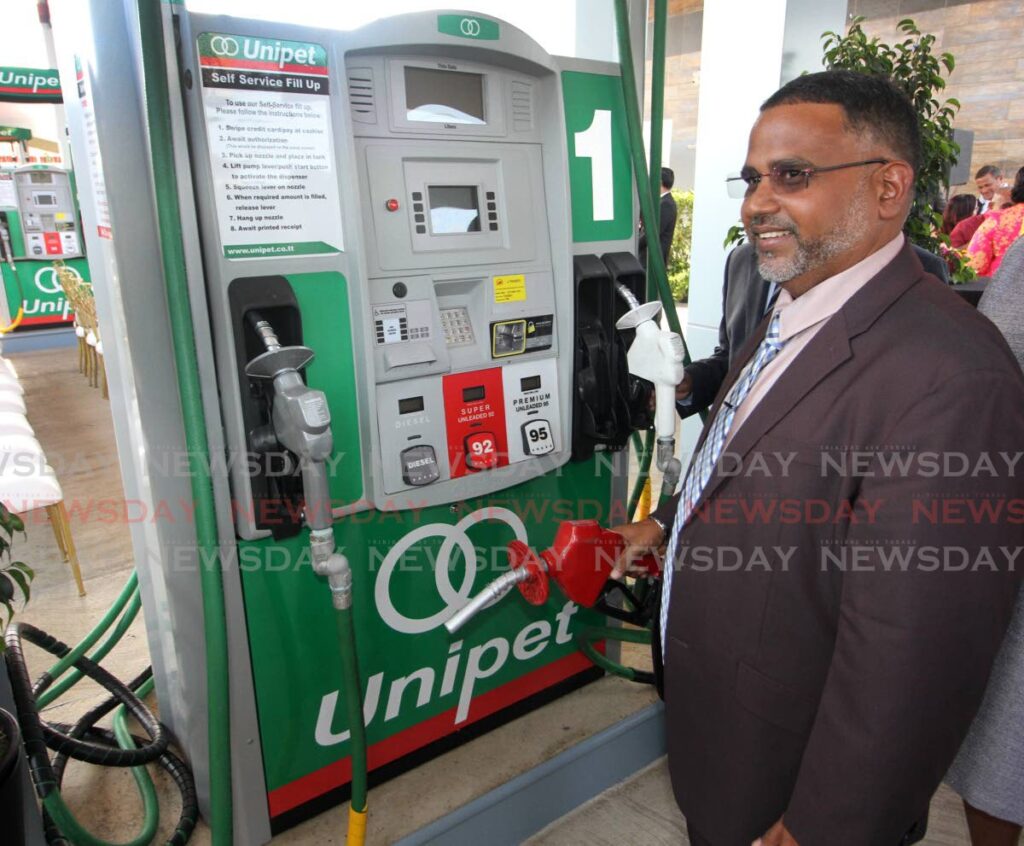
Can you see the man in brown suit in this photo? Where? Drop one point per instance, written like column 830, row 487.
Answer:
column 842, row 575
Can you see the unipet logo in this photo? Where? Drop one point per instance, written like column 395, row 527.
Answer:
column 462, row 670
column 280, row 53
column 34, row 81
column 463, row 667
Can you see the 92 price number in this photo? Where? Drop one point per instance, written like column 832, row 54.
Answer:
column 481, row 451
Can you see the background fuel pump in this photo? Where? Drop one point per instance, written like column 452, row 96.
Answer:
column 38, row 225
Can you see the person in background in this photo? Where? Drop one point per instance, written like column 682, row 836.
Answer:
column 998, row 231
column 987, row 179
column 988, row 772
column 960, row 207
column 962, row 233
column 667, row 218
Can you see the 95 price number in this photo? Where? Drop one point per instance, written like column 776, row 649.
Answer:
column 538, row 438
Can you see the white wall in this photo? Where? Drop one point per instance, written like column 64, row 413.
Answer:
column 748, row 49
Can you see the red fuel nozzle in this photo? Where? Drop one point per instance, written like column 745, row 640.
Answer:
column 580, row 561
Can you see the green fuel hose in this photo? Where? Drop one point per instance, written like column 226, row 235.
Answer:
column 173, row 257
column 636, row 150
column 657, row 118
column 357, row 729
column 129, row 597
column 588, row 635
column 648, row 188
column 645, row 451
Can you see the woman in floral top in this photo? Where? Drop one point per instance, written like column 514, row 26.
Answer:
column 995, row 235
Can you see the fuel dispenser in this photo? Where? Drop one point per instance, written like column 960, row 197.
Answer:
column 412, row 245
column 38, row 225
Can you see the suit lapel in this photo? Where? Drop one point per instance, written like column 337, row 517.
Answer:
column 829, row 348
column 826, row 351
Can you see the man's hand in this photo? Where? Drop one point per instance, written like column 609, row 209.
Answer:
column 684, row 388
column 642, row 539
column 777, row 835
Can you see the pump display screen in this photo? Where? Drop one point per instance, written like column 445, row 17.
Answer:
column 37, row 177
column 44, row 199
column 473, row 394
column 444, row 96
column 453, row 209
column 410, row 405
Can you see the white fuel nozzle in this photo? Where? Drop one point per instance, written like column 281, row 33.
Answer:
column 656, row 355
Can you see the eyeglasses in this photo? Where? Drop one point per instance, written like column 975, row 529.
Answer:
column 786, row 179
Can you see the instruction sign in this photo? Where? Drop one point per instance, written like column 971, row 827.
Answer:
column 92, row 143
column 267, row 110
column 8, row 194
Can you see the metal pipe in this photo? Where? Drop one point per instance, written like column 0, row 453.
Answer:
column 627, row 295
column 492, row 592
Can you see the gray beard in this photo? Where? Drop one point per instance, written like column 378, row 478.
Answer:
column 849, row 229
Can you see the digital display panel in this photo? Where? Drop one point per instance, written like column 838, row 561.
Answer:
column 473, row 394
column 410, row 405
column 444, row 96
column 453, row 209
column 45, row 199
column 40, row 177
column 530, row 383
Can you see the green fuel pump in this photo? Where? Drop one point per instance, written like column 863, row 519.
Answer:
column 442, row 211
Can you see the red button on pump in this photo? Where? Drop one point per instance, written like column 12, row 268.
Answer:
column 392, row 205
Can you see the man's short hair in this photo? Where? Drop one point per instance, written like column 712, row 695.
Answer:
column 988, row 170
column 870, row 102
column 668, row 177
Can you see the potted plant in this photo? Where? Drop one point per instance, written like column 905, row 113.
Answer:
column 913, row 66
column 15, row 578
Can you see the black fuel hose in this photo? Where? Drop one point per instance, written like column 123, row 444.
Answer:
column 38, row 734
column 173, row 765
column 82, row 750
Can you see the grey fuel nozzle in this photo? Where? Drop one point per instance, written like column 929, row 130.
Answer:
column 299, row 416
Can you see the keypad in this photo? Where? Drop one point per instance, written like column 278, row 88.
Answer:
column 457, row 328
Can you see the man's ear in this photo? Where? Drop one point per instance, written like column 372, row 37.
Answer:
column 896, row 190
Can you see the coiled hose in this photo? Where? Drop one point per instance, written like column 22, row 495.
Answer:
column 84, row 741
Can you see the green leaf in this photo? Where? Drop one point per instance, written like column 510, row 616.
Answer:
column 6, row 588
column 21, row 565
column 22, row 581
column 7, row 521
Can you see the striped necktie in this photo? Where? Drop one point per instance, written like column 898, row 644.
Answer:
column 707, row 456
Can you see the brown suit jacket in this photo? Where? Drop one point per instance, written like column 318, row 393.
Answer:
column 826, row 653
